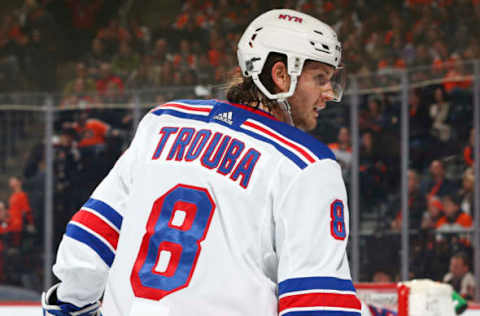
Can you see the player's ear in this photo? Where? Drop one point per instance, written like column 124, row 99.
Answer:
column 280, row 77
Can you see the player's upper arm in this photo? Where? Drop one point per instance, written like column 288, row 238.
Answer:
column 88, row 249
column 311, row 232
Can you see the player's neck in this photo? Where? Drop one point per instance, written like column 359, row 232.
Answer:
column 275, row 112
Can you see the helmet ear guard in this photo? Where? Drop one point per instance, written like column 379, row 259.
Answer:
column 294, row 68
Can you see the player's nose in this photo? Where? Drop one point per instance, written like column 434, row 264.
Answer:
column 327, row 92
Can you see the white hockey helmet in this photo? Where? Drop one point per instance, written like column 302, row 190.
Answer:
column 297, row 35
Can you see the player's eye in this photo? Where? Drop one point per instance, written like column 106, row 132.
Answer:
column 321, row 79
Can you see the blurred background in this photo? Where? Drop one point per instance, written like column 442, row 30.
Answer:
column 76, row 76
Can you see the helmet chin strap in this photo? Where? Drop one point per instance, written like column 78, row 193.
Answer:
column 287, row 109
column 281, row 98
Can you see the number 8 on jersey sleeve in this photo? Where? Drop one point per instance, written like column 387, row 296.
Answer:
column 178, row 222
column 337, row 227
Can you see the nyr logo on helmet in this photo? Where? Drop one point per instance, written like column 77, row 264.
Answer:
column 290, row 18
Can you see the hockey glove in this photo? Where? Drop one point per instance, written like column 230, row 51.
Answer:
column 51, row 306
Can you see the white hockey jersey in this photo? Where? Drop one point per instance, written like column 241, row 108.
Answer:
column 214, row 209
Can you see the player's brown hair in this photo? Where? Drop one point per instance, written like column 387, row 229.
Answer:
column 244, row 91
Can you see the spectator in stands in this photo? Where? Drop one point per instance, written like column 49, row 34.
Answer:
column 160, row 52
column 112, row 35
column 19, row 209
column 372, row 171
column 456, row 77
column 80, row 96
column 9, row 59
column 216, row 53
column 422, row 58
column 434, row 212
column 107, row 77
column 96, row 57
column 91, row 132
column 4, row 220
column 112, row 94
column 37, row 19
column 437, row 184
column 84, row 15
column 460, row 277
column 125, row 61
column 381, row 276
column 4, row 223
column 144, row 77
column 372, row 118
column 40, row 62
column 473, row 49
column 205, row 72
column 439, row 111
column 468, row 150
column 141, row 35
column 67, row 167
column 455, row 218
column 466, row 192
column 416, row 204
column 419, row 128
column 167, row 74
column 343, row 151
column 185, row 58
column 81, row 73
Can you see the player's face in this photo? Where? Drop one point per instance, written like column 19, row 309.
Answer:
column 313, row 90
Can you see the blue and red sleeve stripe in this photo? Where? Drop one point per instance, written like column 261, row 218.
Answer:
column 318, row 296
column 98, row 226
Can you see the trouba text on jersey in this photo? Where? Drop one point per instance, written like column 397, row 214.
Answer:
column 215, row 151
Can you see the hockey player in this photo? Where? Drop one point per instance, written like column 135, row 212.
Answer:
column 223, row 207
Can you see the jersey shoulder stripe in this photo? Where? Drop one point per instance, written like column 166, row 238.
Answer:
column 318, row 296
column 298, row 146
column 185, row 107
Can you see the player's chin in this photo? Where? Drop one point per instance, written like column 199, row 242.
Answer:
column 311, row 123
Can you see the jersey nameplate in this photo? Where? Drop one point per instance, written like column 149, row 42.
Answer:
column 215, row 151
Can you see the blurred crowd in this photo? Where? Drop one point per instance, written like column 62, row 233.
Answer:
column 117, row 52
column 91, row 57
column 440, row 177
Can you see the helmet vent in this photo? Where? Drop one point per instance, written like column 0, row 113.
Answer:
column 254, row 36
column 325, row 47
column 259, row 29
column 321, row 50
column 318, row 32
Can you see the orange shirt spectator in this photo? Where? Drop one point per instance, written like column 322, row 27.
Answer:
column 454, row 217
column 464, row 220
column 468, row 150
column 93, row 132
column 19, row 207
column 455, row 78
column 182, row 20
column 468, row 155
column 215, row 57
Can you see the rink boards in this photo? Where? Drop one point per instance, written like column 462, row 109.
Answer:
column 34, row 309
